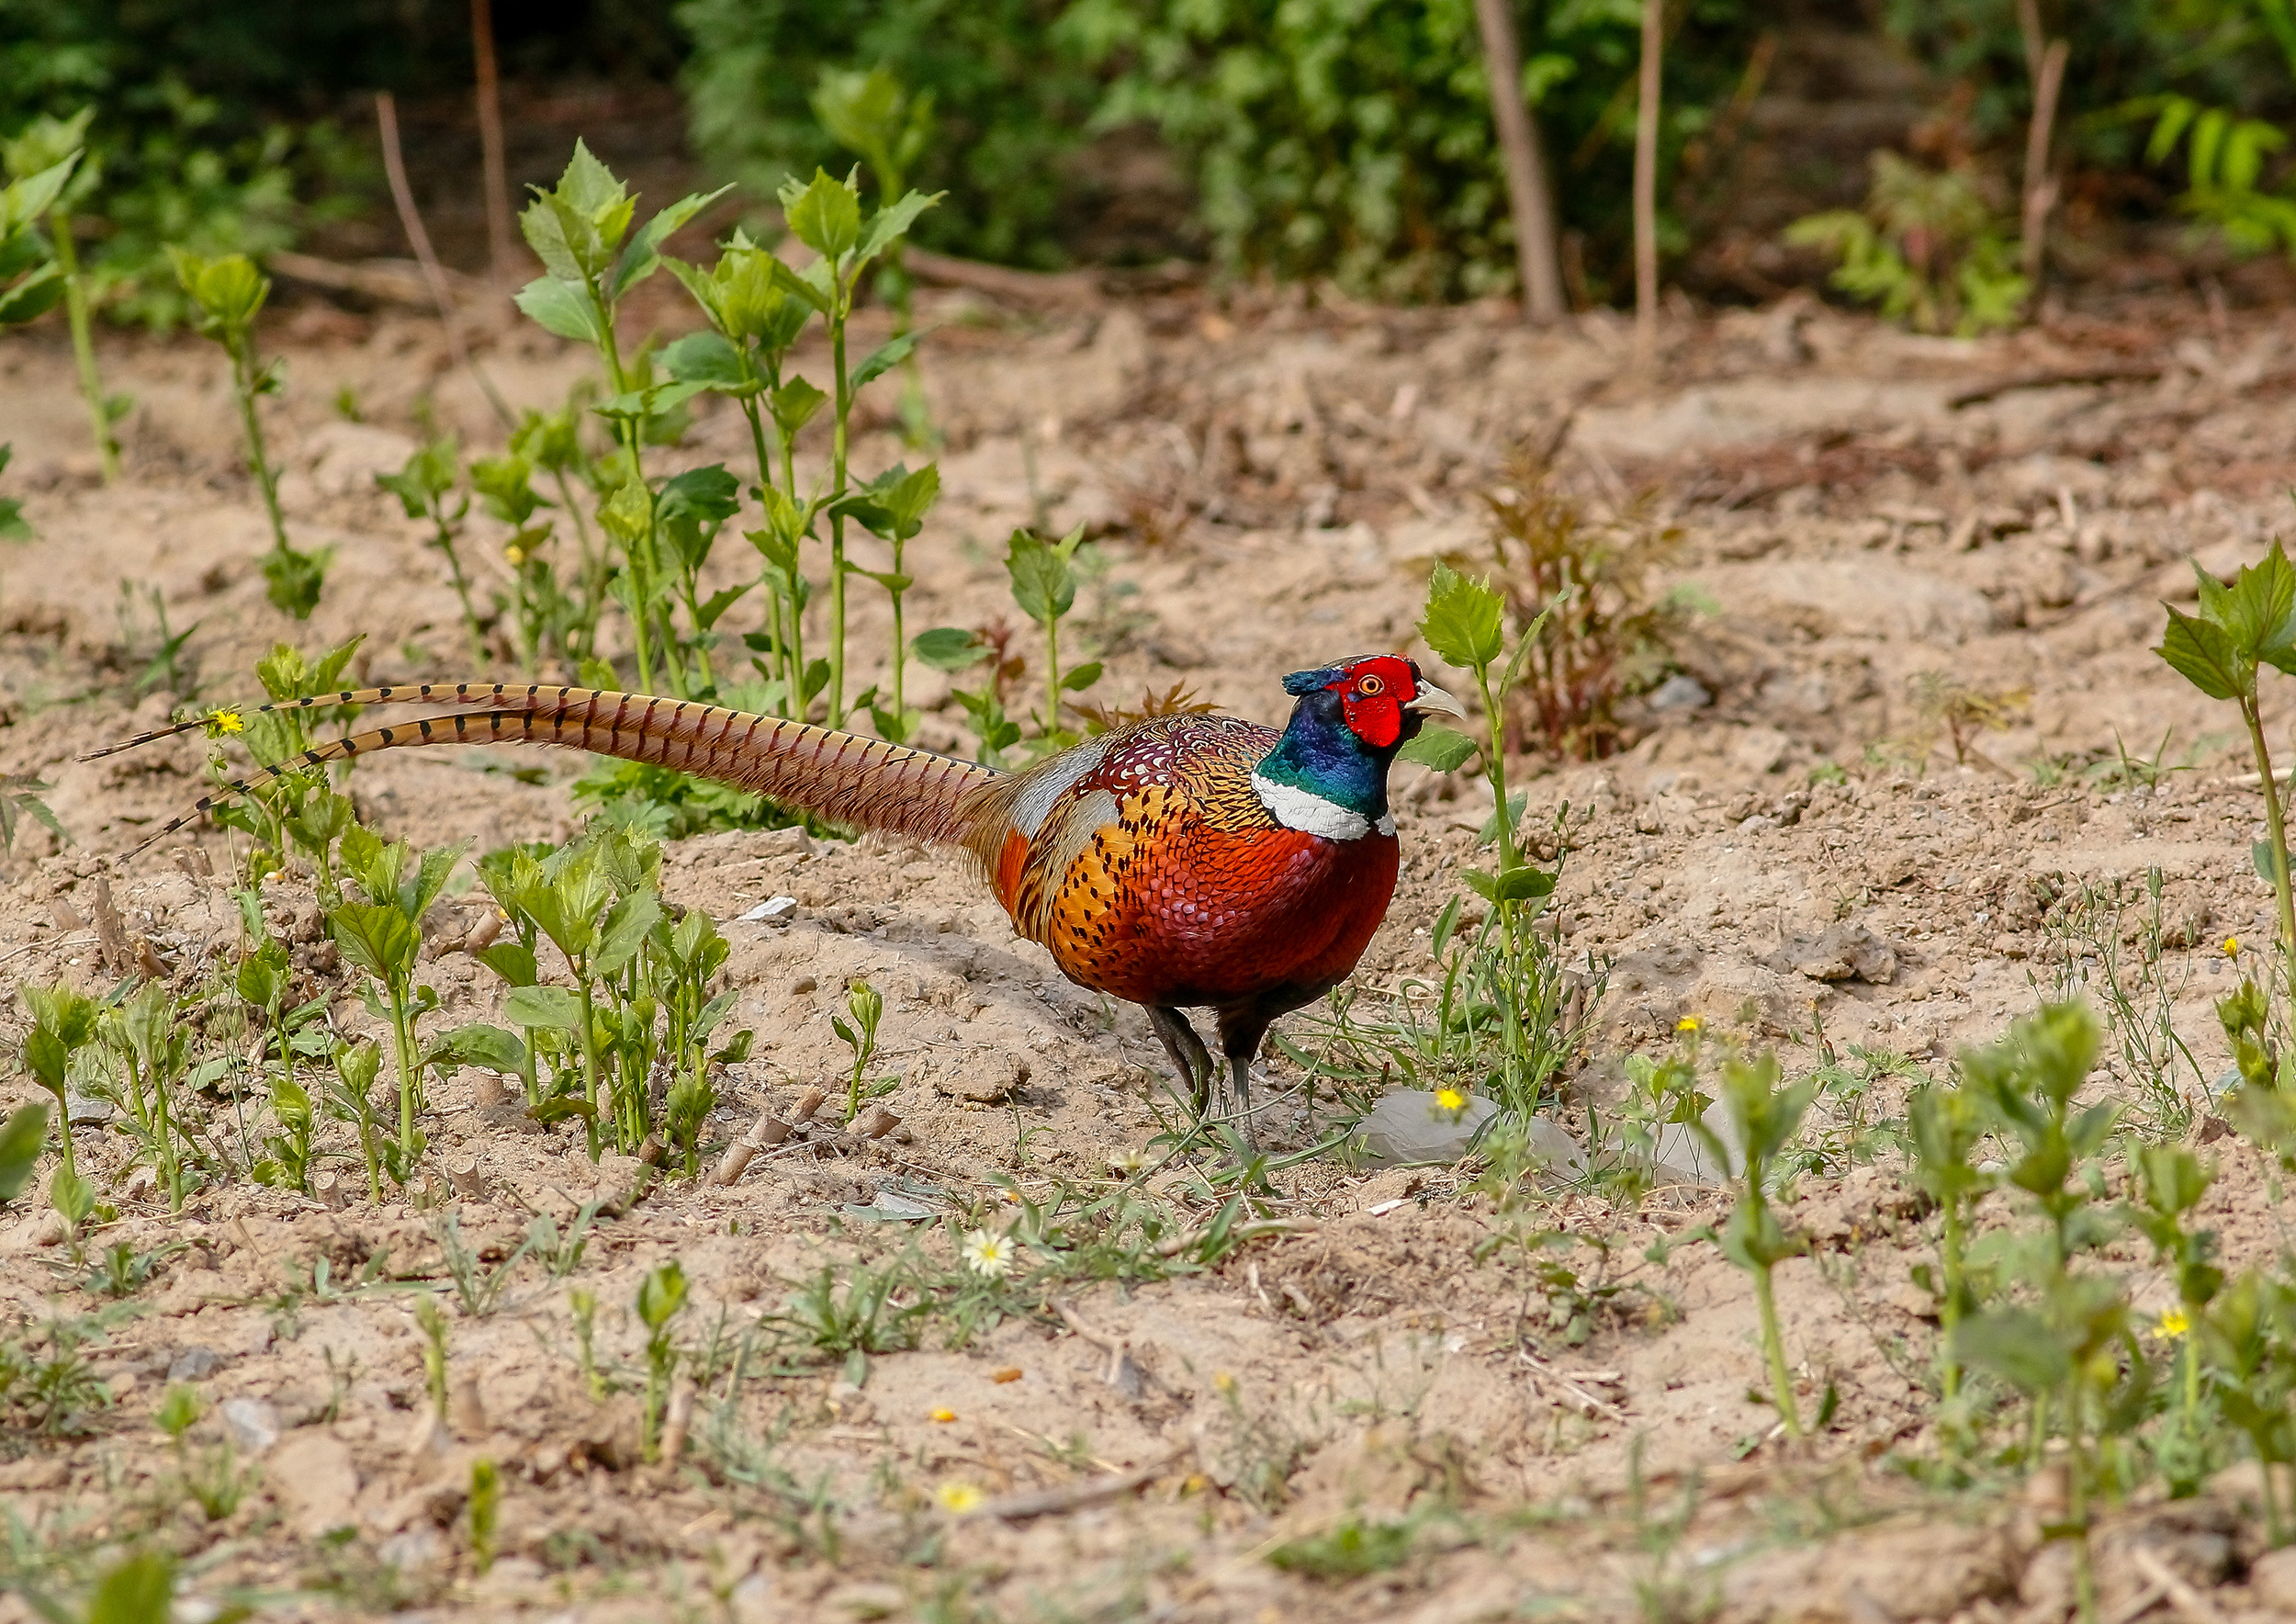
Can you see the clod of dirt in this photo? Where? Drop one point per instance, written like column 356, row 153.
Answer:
column 984, row 1076
column 253, row 1424
column 311, row 1477
column 1846, row 951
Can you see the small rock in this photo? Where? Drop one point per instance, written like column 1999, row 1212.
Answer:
column 85, row 1111
column 1680, row 692
column 773, row 911
column 253, row 1424
column 411, row 1551
column 1685, row 1156
column 2272, row 1580
column 1845, row 951
column 194, row 1364
column 314, row 1482
column 1408, row 1128
column 985, row 1077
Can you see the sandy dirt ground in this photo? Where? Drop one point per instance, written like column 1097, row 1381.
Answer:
column 1791, row 854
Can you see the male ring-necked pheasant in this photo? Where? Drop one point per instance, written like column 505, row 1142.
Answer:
column 1182, row 861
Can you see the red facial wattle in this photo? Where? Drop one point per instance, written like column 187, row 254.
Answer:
column 1372, row 696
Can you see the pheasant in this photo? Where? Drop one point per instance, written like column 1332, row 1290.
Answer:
column 1181, row 862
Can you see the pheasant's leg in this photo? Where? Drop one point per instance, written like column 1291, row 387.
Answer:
column 1241, row 1032
column 1190, row 1057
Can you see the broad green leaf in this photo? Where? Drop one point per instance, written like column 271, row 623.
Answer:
column 625, row 931
column 1081, row 678
column 806, row 288
column 22, row 1137
column 562, row 308
column 892, row 222
column 140, row 1590
column 35, row 195
column 2016, row 1345
column 661, row 1294
column 825, row 213
column 706, row 358
column 377, row 937
column 643, row 255
column 554, row 1007
column 1439, row 747
column 2203, row 655
column 950, row 648
column 884, row 360
column 481, row 1044
column 710, row 494
column 513, row 961
column 1462, row 620
column 1042, row 583
column 793, row 405
column 33, row 297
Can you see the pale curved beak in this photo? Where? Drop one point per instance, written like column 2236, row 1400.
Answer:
column 1432, row 698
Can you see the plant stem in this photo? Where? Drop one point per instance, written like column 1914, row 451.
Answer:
column 1052, row 675
column 76, row 310
column 445, row 542
column 589, row 1049
column 1773, row 1345
column 2276, row 830
column 2077, row 1507
column 837, row 519
column 402, row 1026
column 243, row 381
column 1949, row 1311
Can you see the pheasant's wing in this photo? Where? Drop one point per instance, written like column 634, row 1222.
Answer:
column 1061, row 840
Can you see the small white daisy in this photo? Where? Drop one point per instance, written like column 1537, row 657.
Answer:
column 987, row 1253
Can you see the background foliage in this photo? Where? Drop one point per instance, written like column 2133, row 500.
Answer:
column 1341, row 138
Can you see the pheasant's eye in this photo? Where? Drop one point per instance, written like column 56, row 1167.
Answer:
column 1367, row 686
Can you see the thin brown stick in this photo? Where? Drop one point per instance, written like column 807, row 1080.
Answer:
column 2045, row 60
column 1529, row 197
column 2055, row 378
column 402, row 198
column 1646, row 184
column 1069, row 1496
column 500, row 264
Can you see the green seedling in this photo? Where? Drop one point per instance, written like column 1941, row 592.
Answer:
column 1946, row 1125
column 383, row 936
column 425, row 488
column 870, row 114
column 20, row 793
column 2249, row 1335
column 1043, row 580
column 661, row 1297
column 866, row 1005
column 547, row 624
column 582, row 1304
column 486, row 1511
column 892, row 508
column 213, row 1479
column 1925, row 248
column 478, row 1289
column 1506, row 976
column 144, row 1041
column 32, row 280
column 1764, row 1110
column 38, row 149
column 861, row 1319
column 2070, row 1349
column 63, row 1022
column 824, row 215
column 581, row 230
column 226, row 294
column 350, row 1098
column 2220, row 651
column 2170, row 1181
column 430, row 1320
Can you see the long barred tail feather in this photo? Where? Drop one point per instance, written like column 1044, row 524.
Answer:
column 842, row 778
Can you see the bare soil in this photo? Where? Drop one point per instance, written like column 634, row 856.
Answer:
column 1269, row 481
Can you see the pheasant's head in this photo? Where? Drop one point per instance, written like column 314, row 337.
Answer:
column 1380, row 697
column 1328, row 773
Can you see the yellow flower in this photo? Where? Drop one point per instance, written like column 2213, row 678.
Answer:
column 1225, row 1382
column 986, row 1253
column 943, row 1415
column 2232, row 947
column 1690, row 1023
column 515, row 554
column 2172, row 1325
column 225, row 721
column 958, row 1496
column 1450, row 1099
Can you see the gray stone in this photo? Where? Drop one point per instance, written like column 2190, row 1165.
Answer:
column 1408, row 1128
column 1683, row 1157
column 1680, row 692
column 253, row 1424
column 194, row 1364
